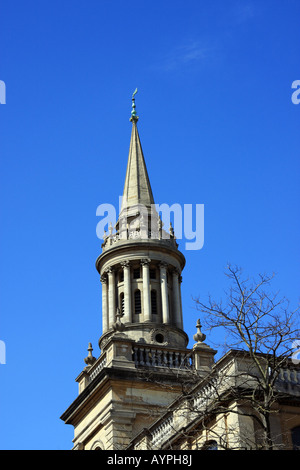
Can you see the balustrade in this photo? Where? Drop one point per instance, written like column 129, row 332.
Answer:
column 111, row 239
column 159, row 357
column 289, row 379
column 96, row 369
column 162, row 431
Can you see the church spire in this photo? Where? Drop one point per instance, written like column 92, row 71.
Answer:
column 137, row 189
column 140, row 265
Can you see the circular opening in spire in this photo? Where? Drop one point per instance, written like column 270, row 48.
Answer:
column 159, row 338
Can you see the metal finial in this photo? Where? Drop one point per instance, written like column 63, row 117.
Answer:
column 134, row 116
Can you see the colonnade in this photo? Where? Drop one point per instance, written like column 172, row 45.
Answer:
column 170, row 315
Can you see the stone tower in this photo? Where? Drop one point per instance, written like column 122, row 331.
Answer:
column 144, row 357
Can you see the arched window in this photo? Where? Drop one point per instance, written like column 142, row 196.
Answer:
column 122, row 303
column 97, row 445
column 137, row 302
column 153, row 302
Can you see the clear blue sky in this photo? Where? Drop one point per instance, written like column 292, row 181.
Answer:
column 218, row 128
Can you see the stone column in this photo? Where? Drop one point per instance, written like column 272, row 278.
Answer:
column 146, row 289
column 176, row 299
column 103, row 280
column 181, row 316
column 111, row 297
column 164, row 293
column 127, row 293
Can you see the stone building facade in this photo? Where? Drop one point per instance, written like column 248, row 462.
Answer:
column 215, row 415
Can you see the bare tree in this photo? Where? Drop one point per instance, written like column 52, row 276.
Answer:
column 249, row 380
column 263, row 326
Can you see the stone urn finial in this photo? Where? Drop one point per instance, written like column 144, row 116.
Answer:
column 199, row 336
column 118, row 325
column 90, row 359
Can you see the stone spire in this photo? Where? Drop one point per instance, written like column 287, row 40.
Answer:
column 140, row 265
column 137, row 189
